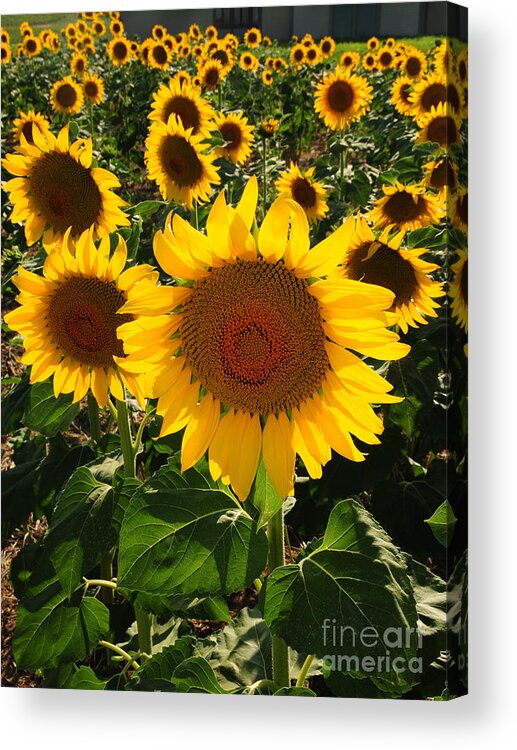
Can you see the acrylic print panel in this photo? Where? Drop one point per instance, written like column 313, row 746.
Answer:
column 235, row 350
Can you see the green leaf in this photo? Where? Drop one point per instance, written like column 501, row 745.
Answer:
column 442, row 523
column 346, row 597
column 296, row 691
column 186, row 540
column 79, row 532
column 145, row 208
column 14, row 404
column 52, row 629
column 156, row 673
column 46, row 414
column 195, row 675
column 264, row 496
column 86, row 679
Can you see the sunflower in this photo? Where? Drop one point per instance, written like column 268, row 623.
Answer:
column 31, row 46
column 400, row 92
column 327, row 46
column 252, row 38
column 370, row 61
column 210, row 32
column 385, row 58
column 5, row 37
column 99, row 27
column 248, row 61
column 433, row 90
column 459, row 290
column 443, row 57
column 24, row 124
column 194, row 31
column 462, row 67
column 78, row 64
column 177, row 162
column 313, row 55
column 390, row 42
column 55, row 187
column 307, row 192
column 235, row 130
column 269, row 127
column 406, row 207
column 135, row 49
column 350, row 59
column 341, row 98
column 211, row 74
column 93, row 88
column 114, row 15
column 182, row 77
column 6, row 53
column 266, row 41
column 442, row 175
column 225, row 55
column 159, row 56
column 119, row 50
column 263, row 359
column 441, row 125
column 267, row 77
column 383, row 262
column 170, row 42
column 66, row 96
column 279, row 64
column 117, row 27
column 297, row 55
column 185, row 101
column 460, row 209
column 81, row 26
column 373, row 44
column 144, row 51
column 69, row 316
column 413, row 63
column 231, row 41
column 158, row 32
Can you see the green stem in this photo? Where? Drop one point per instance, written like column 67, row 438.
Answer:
column 145, row 640
column 139, row 433
column 263, row 685
column 264, row 175
column 303, row 672
column 93, row 417
column 106, row 570
column 275, row 534
column 120, row 652
column 104, row 582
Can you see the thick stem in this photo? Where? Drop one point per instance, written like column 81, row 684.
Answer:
column 106, row 570
column 93, row 417
column 303, row 672
column 120, row 652
column 275, row 534
column 145, row 639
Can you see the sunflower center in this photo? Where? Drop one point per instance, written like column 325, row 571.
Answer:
column 27, row 130
column 386, row 268
column 347, row 60
column 31, row 45
column 443, row 175
column 462, row 70
column 402, row 207
column 65, row 192
column 325, row 47
column 160, row 54
column 433, row 95
column 212, row 77
column 231, row 133
column 222, row 56
column 385, row 59
column 83, row 320
column 311, row 54
column 79, row 65
column 453, row 96
column 463, row 208
column 252, row 37
column 120, row 50
column 464, row 283
column 252, row 334
column 370, row 60
column 186, row 110
column 340, row 96
column 413, row 66
column 66, row 95
column 180, row 160
column 91, row 89
column 405, row 91
column 298, row 55
column 303, row 192
column 442, row 130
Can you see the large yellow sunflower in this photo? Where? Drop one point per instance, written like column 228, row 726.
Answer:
column 441, row 125
column 263, row 359
column 93, row 88
column 341, row 98
column 406, row 207
column 459, row 290
column 307, row 192
column 252, row 37
column 433, row 90
column 460, row 209
column 235, row 130
column 69, row 317
column 66, row 96
column 159, row 56
column 185, row 101
column 119, row 50
column 414, row 63
column 24, row 124
column 211, row 74
column 55, row 187
column 177, row 162
column 442, row 175
column 384, row 262
column 400, row 91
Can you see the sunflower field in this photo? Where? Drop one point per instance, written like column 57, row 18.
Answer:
column 234, row 362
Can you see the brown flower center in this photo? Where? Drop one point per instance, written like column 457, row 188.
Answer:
column 232, row 133
column 83, row 320
column 462, row 70
column 401, row 207
column 298, row 55
column 91, row 89
column 66, row 95
column 65, row 192
column 211, row 77
column 252, row 334
column 442, row 176
column 180, row 160
column 186, row 110
column 433, row 95
column 464, row 283
column 160, row 54
column 340, row 96
column 222, row 56
column 27, row 130
column 442, row 130
column 31, row 45
column 386, row 59
column 326, row 47
column 413, row 66
column 303, row 192
column 120, row 50
column 386, row 268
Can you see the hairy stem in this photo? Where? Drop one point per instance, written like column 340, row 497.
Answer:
column 275, row 533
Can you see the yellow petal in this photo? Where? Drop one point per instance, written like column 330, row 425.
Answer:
column 199, row 431
column 274, row 231
column 278, row 452
column 244, row 458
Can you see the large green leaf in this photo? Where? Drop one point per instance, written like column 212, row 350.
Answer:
column 156, row 673
column 85, row 679
column 80, row 530
column 195, row 675
column 52, row 629
column 349, row 600
column 187, row 540
column 46, row 414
